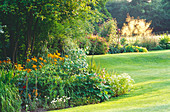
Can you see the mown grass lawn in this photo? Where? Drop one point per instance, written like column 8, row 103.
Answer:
column 151, row 92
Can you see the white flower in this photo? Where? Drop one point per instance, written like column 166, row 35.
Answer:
column 26, row 105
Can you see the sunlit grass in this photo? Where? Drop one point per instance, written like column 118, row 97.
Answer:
column 151, row 92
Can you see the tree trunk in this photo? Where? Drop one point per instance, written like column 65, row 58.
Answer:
column 29, row 34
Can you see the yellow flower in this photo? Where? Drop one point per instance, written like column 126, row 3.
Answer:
column 58, row 54
column 56, row 51
column 66, row 56
column 34, row 66
column 45, row 61
column 19, row 67
column 35, row 69
column 41, row 58
column 55, row 63
column 55, row 60
column 28, row 60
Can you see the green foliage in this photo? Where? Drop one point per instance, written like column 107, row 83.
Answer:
column 165, row 41
column 30, row 22
column 96, row 44
column 131, row 48
column 108, row 30
column 9, row 98
column 120, row 84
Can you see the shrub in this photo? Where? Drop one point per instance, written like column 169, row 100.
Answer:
column 157, row 48
column 165, row 41
column 117, row 84
column 131, row 48
column 108, row 30
column 120, row 84
column 98, row 45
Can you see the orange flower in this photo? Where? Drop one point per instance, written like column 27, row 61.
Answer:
column 40, row 66
column 66, row 56
column 21, row 92
column 50, row 55
column 29, row 96
column 4, row 61
column 61, row 59
column 41, row 58
column 15, row 63
column 28, row 70
column 8, row 61
column 45, row 61
column 42, row 63
column 55, row 63
column 36, row 93
column 33, row 91
column 34, row 66
column 28, row 60
column 0, row 61
column 34, row 59
column 55, row 60
column 35, row 69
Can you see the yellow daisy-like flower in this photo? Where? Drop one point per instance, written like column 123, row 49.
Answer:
column 58, row 54
column 66, row 56
column 34, row 59
column 34, row 66
column 55, row 60
column 45, row 61
column 41, row 58
column 28, row 60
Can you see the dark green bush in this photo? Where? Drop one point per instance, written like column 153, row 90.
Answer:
column 157, row 48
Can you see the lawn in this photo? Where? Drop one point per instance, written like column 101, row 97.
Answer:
column 151, row 92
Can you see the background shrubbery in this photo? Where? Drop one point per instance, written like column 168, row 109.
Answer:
column 55, row 82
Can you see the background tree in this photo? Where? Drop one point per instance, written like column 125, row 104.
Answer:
column 146, row 9
column 29, row 22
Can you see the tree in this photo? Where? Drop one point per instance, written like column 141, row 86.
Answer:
column 30, row 21
column 146, row 9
